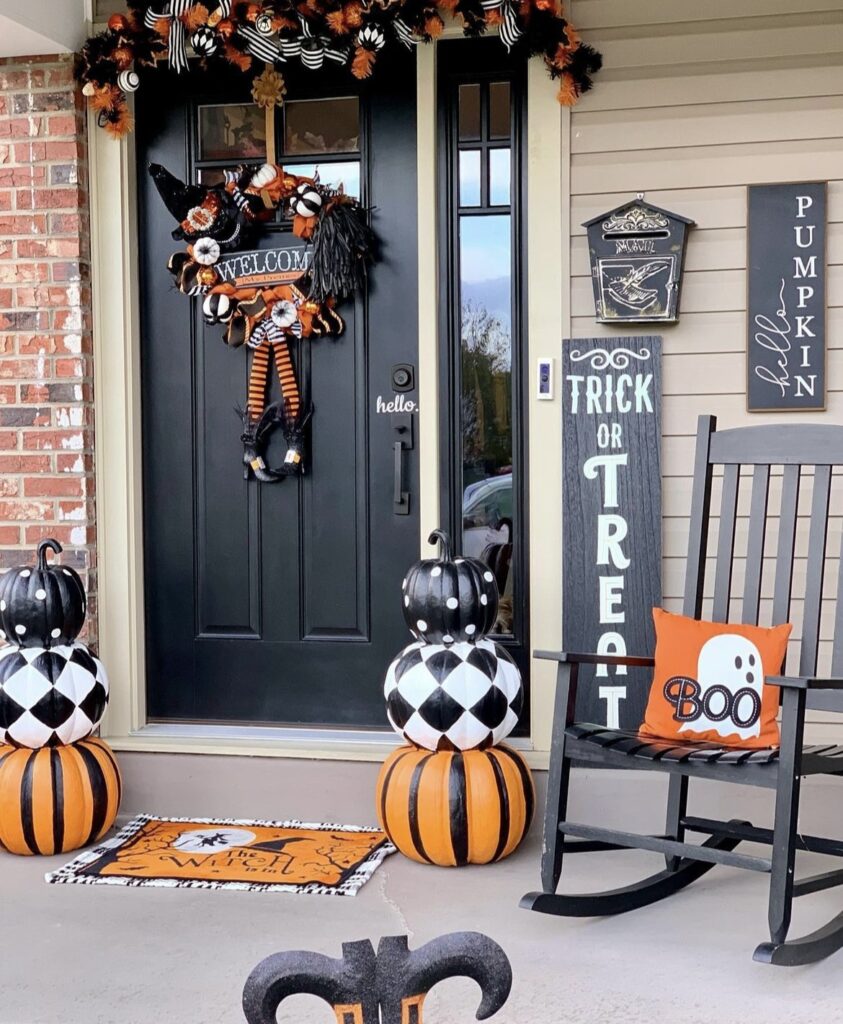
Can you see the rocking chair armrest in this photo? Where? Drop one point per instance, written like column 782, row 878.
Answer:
column 573, row 658
column 806, row 682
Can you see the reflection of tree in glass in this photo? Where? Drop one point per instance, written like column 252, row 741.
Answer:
column 486, row 393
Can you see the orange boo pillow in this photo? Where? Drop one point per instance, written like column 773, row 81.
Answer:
column 708, row 683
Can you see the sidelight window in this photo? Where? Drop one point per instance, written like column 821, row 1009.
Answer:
column 484, row 263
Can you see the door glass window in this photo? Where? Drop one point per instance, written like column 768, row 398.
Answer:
column 315, row 137
column 232, row 131
column 321, row 126
column 486, row 261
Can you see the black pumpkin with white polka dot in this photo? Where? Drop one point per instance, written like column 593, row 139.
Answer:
column 449, row 600
column 41, row 605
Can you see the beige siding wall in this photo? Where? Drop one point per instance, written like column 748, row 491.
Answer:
column 695, row 103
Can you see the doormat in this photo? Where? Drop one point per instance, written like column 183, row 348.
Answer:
column 226, row 853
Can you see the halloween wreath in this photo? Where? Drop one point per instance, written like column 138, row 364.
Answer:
column 252, row 36
column 266, row 297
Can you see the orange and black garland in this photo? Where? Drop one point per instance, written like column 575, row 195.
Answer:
column 317, row 33
column 267, row 316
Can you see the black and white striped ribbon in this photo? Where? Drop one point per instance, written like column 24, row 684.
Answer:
column 268, row 330
column 510, row 30
column 260, row 46
column 241, row 200
column 177, row 37
column 405, row 33
column 223, row 8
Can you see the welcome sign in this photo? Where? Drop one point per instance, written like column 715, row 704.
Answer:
column 786, row 261
column 265, row 268
column 611, row 529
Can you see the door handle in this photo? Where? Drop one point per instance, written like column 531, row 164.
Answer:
column 401, row 499
column 402, row 425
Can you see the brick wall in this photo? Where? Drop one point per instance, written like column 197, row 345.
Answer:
column 46, row 411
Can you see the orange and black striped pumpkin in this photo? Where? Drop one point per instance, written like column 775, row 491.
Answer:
column 455, row 808
column 57, row 798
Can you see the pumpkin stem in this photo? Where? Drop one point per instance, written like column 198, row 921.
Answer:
column 444, row 541
column 52, row 545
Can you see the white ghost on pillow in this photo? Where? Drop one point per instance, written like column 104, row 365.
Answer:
column 731, row 679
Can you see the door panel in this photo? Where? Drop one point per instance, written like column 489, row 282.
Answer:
column 276, row 603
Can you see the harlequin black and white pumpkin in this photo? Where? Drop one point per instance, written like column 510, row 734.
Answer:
column 372, row 37
column 460, row 697
column 41, row 605
column 50, row 697
column 204, row 41
column 447, row 599
column 306, row 201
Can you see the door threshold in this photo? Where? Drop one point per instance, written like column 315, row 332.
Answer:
column 267, row 741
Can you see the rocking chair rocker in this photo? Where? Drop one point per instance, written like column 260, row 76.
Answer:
column 793, row 448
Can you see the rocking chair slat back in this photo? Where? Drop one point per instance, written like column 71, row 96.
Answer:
column 815, row 570
column 785, row 450
column 755, row 545
column 787, row 543
column 698, row 524
column 726, row 543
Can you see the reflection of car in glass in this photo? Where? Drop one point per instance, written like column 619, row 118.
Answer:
column 486, row 514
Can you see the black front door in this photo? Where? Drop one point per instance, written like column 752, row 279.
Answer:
column 277, row 603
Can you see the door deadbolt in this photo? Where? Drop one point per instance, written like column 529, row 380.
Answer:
column 403, row 377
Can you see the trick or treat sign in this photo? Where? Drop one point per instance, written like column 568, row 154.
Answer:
column 611, row 526
column 636, row 253
column 786, row 267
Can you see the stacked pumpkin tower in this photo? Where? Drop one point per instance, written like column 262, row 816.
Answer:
column 59, row 788
column 454, row 795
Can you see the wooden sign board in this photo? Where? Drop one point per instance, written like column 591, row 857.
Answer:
column 611, row 528
column 265, row 268
column 786, row 261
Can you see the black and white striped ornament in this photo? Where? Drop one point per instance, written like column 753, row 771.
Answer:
column 217, row 309
column 128, row 81
column 264, row 24
column 371, row 37
column 306, row 201
column 204, row 41
column 312, row 53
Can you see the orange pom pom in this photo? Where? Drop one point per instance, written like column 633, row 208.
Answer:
column 105, row 97
column 118, row 23
column 196, row 17
column 353, row 15
column 162, row 27
column 336, row 23
column 123, row 57
column 120, row 122
column 568, row 93
column 363, row 63
column 237, row 58
column 226, row 28
column 434, row 26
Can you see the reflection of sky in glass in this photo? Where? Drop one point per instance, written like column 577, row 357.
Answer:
column 486, row 264
column 333, row 175
column 470, row 177
column 499, row 174
column 485, row 249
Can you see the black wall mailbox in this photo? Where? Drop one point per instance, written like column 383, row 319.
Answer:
column 636, row 253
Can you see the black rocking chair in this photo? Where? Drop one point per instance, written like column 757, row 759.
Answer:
column 793, row 448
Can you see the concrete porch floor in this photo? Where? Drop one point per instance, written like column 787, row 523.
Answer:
column 102, row 955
